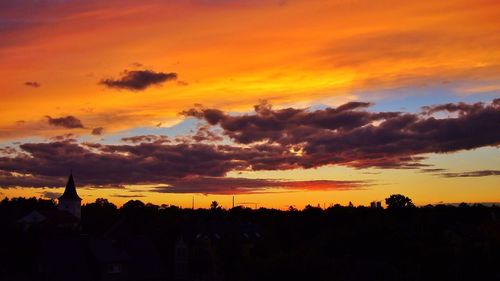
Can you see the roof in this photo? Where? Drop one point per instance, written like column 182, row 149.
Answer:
column 70, row 190
column 49, row 217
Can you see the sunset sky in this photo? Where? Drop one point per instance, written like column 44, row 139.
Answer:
column 278, row 102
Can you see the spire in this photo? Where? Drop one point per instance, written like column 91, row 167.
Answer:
column 70, row 190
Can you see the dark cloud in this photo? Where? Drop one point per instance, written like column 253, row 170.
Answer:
column 68, row 137
column 480, row 173
column 11, row 180
column 226, row 185
column 33, row 84
column 204, row 133
column 50, row 195
column 183, row 167
column 69, row 122
column 432, row 170
column 147, row 138
column 351, row 136
column 138, row 80
column 143, row 163
column 136, row 64
column 97, row 131
column 460, row 108
column 127, row 195
column 267, row 139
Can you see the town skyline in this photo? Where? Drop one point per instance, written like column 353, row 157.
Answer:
column 277, row 103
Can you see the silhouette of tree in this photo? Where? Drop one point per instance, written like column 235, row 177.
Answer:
column 134, row 208
column 398, row 201
column 133, row 204
column 432, row 242
column 103, row 205
column 99, row 215
column 214, row 205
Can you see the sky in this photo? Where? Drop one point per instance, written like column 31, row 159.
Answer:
column 277, row 103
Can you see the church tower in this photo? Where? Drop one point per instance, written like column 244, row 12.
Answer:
column 70, row 201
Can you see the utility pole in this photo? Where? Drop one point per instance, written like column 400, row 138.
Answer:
column 233, row 201
column 192, row 203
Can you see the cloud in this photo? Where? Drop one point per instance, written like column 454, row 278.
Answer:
column 127, row 195
column 266, row 139
column 480, row 173
column 97, row 131
column 400, row 55
column 204, row 133
column 8, row 150
column 68, row 137
column 136, row 64
column 50, row 195
column 143, row 163
column 32, row 84
column 147, row 138
column 352, row 136
column 138, row 80
column 226, row 185
column 69, row 122
column 183, row 167
column 432, row 170
column 11, row 180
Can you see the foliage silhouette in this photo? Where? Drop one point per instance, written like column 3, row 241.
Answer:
column 439, row 242
column 398, row 201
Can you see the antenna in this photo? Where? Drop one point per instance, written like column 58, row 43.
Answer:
column 233, row 201
column 192, row 203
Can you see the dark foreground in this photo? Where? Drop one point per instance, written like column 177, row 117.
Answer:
column 148, row 242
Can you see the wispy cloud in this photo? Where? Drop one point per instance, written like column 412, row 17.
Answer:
column 480, row 173
column 227, row 185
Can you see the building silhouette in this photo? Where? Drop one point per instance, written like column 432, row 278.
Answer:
column 70, row 201
column 67, row 215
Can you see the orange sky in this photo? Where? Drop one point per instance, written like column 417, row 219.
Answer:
column 232, row 54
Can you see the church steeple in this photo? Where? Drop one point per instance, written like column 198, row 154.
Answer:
column 70, row 190
column 70, row 201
